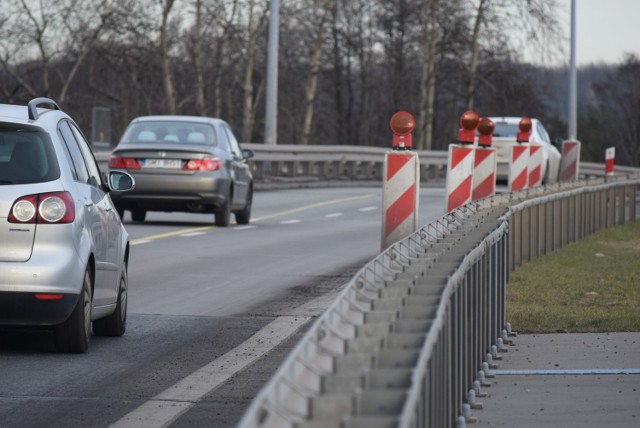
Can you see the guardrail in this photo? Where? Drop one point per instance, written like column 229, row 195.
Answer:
column 415, row 335
column 335, row 162
column 291, row 161
column 360, row 163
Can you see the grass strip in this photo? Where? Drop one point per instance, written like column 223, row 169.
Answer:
column 589, row 286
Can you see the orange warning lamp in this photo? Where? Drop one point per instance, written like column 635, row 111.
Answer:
column 525, row 130
column 468, row 122
column 402, row 123
column 485, row 129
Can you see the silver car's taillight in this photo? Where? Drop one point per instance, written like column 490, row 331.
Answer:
column 52, row 209
column 24, row 210
column 55, row 207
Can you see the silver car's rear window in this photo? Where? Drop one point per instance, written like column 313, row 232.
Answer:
column 170, row 132
column 26, row 156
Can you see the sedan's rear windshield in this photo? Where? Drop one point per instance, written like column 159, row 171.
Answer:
column 505, row 130
column 26, row 156
column 170, row 132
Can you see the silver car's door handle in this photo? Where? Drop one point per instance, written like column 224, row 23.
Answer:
column 88, row 203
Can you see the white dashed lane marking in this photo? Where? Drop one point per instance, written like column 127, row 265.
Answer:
column 244, row 227
column 192, row 234
column 293, row 221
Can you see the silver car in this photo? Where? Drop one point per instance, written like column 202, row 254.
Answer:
column 184, row 163
column 63, row 249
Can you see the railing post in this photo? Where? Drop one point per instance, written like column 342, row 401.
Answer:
column 535, row 232
column 525, row 235
column 557, row 221
column 611, row 207
column 621, row 204
column 632, row 203
column 548, row 227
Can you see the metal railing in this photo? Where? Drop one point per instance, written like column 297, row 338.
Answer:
column 360, row 163
column 291, row 161
column 415, row 335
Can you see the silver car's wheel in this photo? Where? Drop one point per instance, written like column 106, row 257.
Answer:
column 74, row 334
column 115, row 324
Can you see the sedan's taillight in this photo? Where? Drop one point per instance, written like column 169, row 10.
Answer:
column 117, row 162
column 55, row 207
column 48, row 296
column 207, row 164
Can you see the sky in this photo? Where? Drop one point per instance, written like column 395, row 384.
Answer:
column 605, row 29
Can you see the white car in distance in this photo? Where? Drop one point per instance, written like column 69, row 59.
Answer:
column 504, row 137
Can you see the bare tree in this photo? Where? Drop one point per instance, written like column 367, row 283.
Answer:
column 534, row 21
column 347, row 65
column 255, row 21
column 217, row 20
column 27, row 28
column 472, row 65
column 66, row 31
column 319, row 26
column 85, row 22
column 357, row 54
column 197, row 59
column 431, row 35
column 170, row 99
column 614, row 119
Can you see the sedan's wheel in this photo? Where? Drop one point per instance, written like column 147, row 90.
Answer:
column 115, row 324
column 545, row 179
column 74, row 334
column 244, row 216
column 223, row 215
column 138, row 214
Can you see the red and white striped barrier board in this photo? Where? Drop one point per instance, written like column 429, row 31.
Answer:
column 535, row 165
column 519, row 167
column 570, row 161
column 459, row 175
column 484, row 173
column 609, row 160
column 400, row 196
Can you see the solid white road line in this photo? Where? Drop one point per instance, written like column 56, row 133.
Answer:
column 166, row 407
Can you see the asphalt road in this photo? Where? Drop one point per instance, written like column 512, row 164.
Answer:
column 212, row 313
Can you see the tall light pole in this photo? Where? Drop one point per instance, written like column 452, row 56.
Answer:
column 271, row 108
column 573, row 79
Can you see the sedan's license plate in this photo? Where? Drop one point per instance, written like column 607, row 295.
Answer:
column 161, row 163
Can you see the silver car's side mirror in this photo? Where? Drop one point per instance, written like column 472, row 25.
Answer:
column 120, row 181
